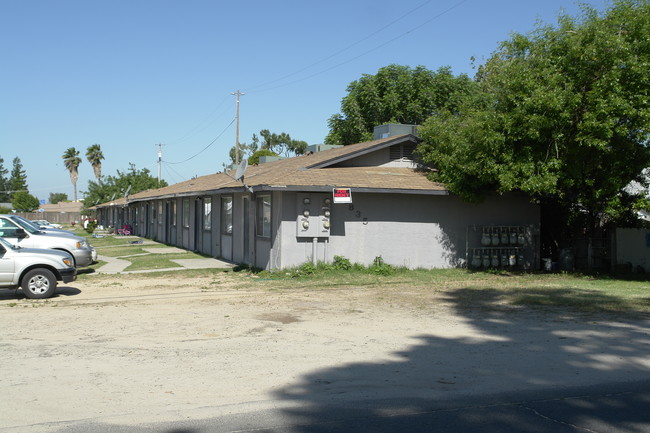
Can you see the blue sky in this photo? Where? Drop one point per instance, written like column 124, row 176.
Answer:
column 130, row 74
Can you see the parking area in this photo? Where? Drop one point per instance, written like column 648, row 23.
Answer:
column 133, row 348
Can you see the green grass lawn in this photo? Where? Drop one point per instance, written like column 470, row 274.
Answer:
column 121, row 246
column 159, row 261
column 576, row 292
column 471, row 289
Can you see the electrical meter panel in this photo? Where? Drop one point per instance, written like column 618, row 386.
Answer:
column 314, row 212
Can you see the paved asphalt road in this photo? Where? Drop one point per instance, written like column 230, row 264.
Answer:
column 611, row 408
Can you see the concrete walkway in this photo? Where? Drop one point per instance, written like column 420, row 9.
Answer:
column 115, row 265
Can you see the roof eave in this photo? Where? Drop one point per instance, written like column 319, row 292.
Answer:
column 328, row 188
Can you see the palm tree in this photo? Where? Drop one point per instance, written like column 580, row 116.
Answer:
column 94, row 156
column 71, row 161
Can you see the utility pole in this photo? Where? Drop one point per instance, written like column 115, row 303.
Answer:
column 159, row 162
column 237, row 94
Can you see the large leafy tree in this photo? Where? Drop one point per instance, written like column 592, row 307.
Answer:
column 5, row 196
column 396, row 94
column 563, row 114
column 18, row 179
column 24, row 202
column 56, row 197
column 131, row 181
column 71, row 161
column 95, row 156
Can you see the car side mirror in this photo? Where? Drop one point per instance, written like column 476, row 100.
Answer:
column 21, row 233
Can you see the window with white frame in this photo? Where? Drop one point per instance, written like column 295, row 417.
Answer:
column 174, row 212
column 207, row 213
column 226, row 215
column 263, row 216
column 160, row 212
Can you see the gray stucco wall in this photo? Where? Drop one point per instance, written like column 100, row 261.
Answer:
column 415, row 231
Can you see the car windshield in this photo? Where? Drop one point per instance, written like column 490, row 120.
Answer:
column 25, row 224
column 6, row 244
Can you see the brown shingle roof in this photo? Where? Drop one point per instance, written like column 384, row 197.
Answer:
column 63, row 206
column 317, row 171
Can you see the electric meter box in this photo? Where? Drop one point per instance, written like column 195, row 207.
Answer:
column 313, row 219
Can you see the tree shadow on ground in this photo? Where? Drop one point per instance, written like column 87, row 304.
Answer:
column 497, row 377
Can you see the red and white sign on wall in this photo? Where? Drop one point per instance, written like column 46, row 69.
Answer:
column 342, row 195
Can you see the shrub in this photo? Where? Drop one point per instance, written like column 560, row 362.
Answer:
column 341, row 263
column 381, row 268
column 254, row 159
column 307, row 268
column 90, row 227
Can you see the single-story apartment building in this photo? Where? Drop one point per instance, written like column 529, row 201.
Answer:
column 360, row 201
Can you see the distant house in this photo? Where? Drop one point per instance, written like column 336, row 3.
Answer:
column 284, row 213
column 60, row 213
column 63, row 207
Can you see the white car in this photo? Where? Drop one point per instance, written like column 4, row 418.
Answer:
column 35, row 270
column 46, row 224
column 47, row 229
column 19, row 234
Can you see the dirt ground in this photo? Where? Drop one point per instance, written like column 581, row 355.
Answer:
column 132, row 349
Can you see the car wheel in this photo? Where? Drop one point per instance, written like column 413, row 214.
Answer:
column 39, row 284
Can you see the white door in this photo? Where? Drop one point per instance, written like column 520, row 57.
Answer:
column 6, row 266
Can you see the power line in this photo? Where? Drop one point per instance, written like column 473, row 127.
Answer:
column 198, row 128
column 411, row 30
column 251, row 89
column 362, row 54
column 170, row 168
column 206, row 147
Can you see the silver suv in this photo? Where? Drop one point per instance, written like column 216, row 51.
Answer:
column 28, row 237
column 24, row 223
column 35, row 270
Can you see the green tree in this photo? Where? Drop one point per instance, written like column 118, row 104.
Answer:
column 563, row 115
column 254, row 159
column 24, row 202
column 396, row 94
column 5, row 196
column 282, row 143
column 95, row 156
column 56, row 197
column 273, row 144
column 71, row 161
column 133, row 181
column 245, row 149
column 18, row 179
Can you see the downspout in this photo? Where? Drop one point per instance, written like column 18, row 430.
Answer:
column 252, row 211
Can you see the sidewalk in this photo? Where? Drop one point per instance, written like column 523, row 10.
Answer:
column 116, row 265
